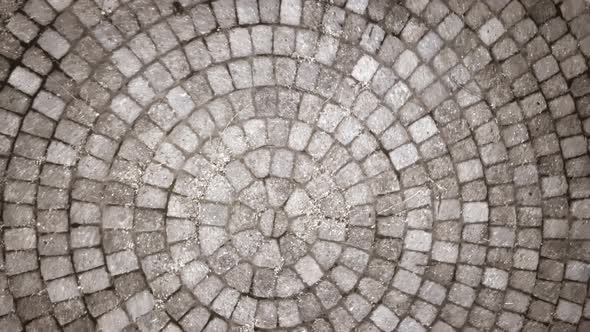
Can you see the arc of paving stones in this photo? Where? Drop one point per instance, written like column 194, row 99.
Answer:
column 158, row 157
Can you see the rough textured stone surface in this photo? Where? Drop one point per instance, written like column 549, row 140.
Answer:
column 295, row 165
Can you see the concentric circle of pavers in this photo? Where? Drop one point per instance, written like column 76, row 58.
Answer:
column 295, row 165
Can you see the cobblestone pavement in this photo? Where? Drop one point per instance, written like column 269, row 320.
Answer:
column 298, row 165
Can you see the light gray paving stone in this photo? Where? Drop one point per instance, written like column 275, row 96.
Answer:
column 326, row 50
column 107, row 35
column 372, row 38
column 291, row 12
column 203, row 19
column 225, row 13
column 23, row 28
column 247, row 11
column 384, row 318
column 365, row 69
column 53, row 43
column 127, row 63
column 25, row 80
column 113, row 320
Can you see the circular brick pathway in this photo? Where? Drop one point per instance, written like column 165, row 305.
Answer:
column 298, row 165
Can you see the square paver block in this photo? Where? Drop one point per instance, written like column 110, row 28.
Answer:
column 25, row 80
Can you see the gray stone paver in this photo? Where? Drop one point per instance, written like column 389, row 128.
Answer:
column 295, row 165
